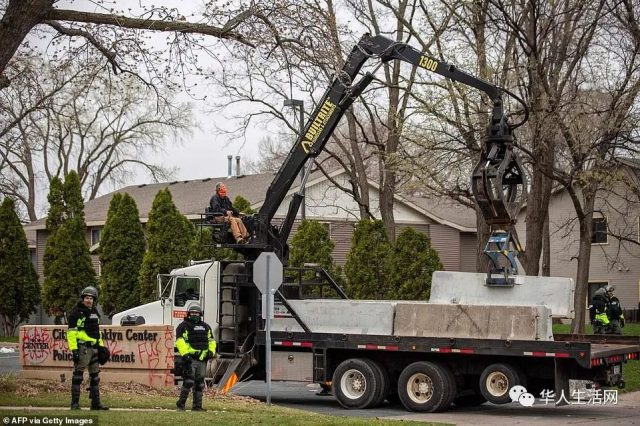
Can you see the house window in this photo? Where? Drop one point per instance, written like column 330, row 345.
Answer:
column 599, row 232
column 327, row 226
column 95, row 236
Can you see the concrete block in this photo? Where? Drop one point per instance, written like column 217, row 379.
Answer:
column 338, row 316
column 470, row 321
column 466, row 288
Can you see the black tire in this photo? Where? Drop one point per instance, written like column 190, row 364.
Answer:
column 383, row 383
column 393, row 398
column 497, row 379
column 470, row 395
column 355, row 383
column 470, row 400
column 422, row 386
column 451, row 387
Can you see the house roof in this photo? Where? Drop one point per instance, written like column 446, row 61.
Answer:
column 192, row 196
column 189, row 196
column 448, row 211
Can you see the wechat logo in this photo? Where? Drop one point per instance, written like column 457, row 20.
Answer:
column 519, row 394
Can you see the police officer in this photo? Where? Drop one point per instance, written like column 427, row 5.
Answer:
column 614, row 312
column 600, row 303
column 195, row 343
column 84, row 339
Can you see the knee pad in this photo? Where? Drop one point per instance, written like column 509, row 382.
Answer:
column 76, row 379
column 95, row 379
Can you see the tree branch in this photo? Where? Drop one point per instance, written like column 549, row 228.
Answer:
column 75, row 32
column 145, row 24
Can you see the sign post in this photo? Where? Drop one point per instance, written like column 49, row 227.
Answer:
column 267, row 276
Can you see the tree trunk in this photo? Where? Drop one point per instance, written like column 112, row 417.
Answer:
column 361, row 191
column 483, row 232
column 546, row 248
column 388, row 173
column 584, row 261
column 537, row 209
column 19, row 19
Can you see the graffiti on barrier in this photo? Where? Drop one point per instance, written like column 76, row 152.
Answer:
column 150, row 347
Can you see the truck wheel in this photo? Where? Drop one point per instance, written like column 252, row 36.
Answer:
column 355, row 383
column 450, row 389
column 497, row 379
column 422, row 386
column 382, row 376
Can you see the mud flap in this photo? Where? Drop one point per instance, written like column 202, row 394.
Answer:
column 234, row 372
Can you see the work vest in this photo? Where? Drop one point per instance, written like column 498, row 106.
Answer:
column 600, row 303
column 84, row 326
column 615, row 309
column 197, row 335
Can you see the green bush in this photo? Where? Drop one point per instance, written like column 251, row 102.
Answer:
column 365, row 269
column 169, row 240
column 122, row 248
column 19, row 288
column 410, row 266
column 67, row 262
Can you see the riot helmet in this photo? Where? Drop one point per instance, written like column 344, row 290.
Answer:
column 89, row 291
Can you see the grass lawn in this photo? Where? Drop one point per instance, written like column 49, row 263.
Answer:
column 10, row 339
column 630, row 370
column 222, row 409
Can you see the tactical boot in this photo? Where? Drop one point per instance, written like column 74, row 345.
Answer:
column 94, row 394
column 184, row 394
column 75, row 391
column 75, row 397
column 197, row 401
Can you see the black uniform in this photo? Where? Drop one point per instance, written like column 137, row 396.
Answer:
column 614, row 313
column 195, row 343
column 84, row 341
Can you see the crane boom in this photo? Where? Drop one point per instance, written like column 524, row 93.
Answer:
column 498, row 181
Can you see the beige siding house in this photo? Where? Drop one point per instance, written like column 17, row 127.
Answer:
column 613, row 261
column 451, row 227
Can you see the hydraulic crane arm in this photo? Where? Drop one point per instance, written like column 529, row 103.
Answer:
column 498, row 181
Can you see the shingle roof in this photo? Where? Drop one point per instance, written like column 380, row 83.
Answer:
column 447, row 210
column 190, row 196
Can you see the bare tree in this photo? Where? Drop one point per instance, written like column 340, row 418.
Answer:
column 584, row 106
column 118, row 35
column 102, row 127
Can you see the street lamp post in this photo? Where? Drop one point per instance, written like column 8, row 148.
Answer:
column 297, row 103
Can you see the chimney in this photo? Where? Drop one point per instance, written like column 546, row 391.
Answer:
column 229, row 170
column 237, row 165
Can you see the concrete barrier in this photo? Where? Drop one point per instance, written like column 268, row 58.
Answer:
column 141, row 354
column 480, row 322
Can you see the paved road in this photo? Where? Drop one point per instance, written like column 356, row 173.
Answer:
column 301, row 396
column 9, row 362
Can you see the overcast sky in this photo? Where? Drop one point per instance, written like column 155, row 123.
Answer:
column 204, row 154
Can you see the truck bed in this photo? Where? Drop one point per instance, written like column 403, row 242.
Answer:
column 585, row 353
